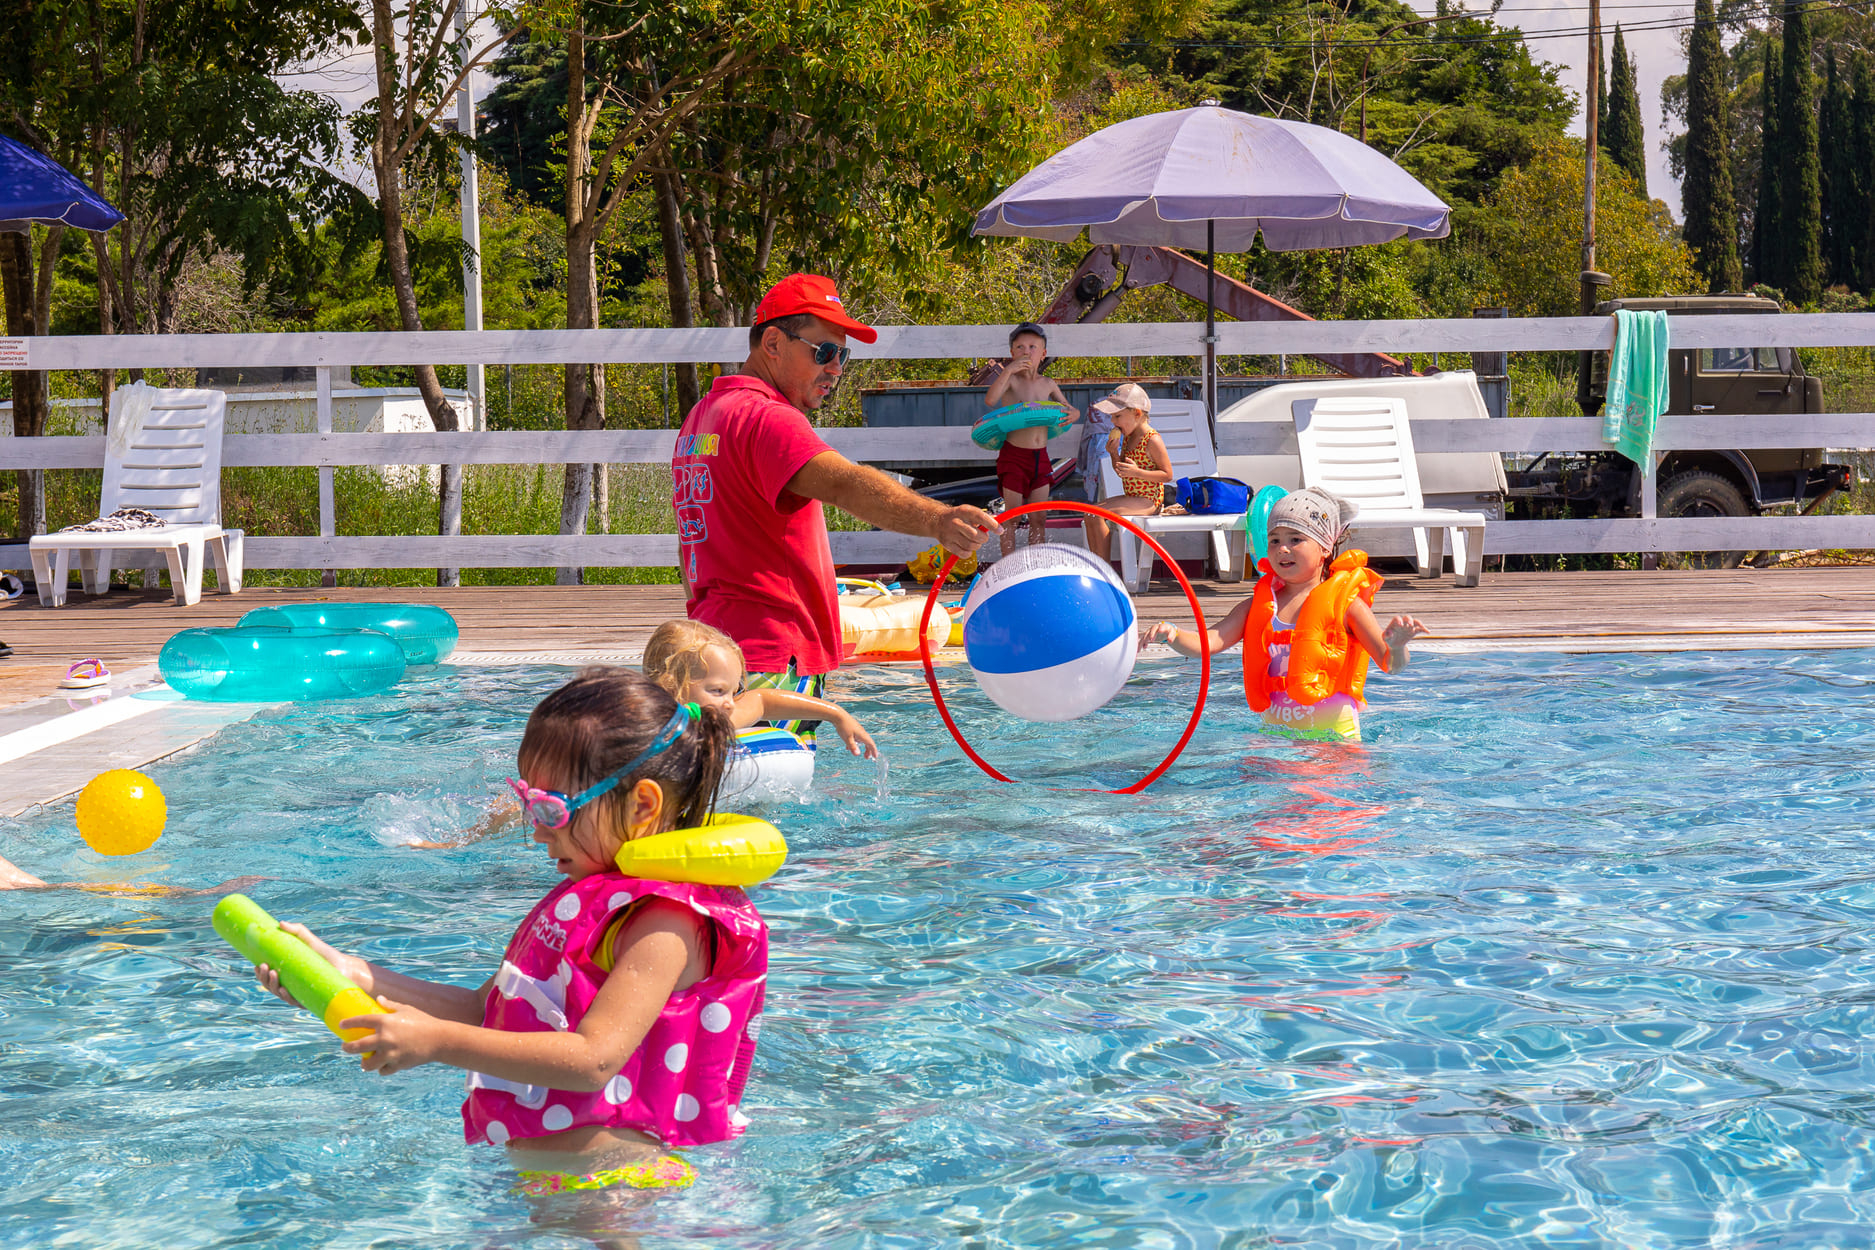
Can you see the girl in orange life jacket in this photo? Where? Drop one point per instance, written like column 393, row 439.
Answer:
column 1309, row 628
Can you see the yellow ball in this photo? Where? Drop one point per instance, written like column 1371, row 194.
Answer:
column 121, row 812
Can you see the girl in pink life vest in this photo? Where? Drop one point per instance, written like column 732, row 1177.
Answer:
column 622, row 1021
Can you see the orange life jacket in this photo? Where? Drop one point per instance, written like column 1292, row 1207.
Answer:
column 1324, row 658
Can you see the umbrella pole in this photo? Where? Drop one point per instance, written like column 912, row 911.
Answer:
column 1210, row 328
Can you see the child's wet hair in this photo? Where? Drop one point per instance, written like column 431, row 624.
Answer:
column 597, row 722
column 674, row 658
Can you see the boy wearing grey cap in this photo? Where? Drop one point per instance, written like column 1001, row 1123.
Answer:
column 1309, row 628
column 1023, row 470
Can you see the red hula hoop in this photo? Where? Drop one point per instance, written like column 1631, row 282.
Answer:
column 1191, row 597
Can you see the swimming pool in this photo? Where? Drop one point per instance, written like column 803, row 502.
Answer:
column 1574, row 953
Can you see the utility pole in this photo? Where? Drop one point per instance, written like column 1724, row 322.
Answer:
column 1593, row 280
column 471, row 207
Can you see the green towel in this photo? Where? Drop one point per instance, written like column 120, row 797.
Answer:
column 1637, row 384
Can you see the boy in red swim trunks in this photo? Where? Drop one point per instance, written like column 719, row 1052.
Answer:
column 1022, row 468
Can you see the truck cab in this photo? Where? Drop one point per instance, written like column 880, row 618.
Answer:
column 1739, row 380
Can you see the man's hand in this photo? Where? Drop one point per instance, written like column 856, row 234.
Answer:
column 962, row 529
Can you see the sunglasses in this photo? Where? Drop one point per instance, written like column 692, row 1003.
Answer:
column 824, row 353
column 549, row 809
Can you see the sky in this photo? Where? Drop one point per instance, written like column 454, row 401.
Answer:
column 1656, row 55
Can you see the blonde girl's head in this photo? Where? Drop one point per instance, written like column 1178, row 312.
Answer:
column 695, row 663
column 600, row 722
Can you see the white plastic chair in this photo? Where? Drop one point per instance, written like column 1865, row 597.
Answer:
column 1361, row 448
column 169, row 463
column 1188, row 442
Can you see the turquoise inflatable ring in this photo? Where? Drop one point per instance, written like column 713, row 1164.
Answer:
column 1257, row 522
column 425, row 632
column 999, row 423
column 263, row 664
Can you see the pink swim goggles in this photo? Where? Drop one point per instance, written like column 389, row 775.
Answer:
column 549, row 809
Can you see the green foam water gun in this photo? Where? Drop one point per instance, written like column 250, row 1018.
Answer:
column 307, row 975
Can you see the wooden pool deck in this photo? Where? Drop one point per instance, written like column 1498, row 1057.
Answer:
column 1626, row 611
column 52, row 742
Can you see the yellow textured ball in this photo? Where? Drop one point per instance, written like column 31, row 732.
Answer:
column 121, row 812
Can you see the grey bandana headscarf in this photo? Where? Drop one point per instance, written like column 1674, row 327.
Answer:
column 1316, row 514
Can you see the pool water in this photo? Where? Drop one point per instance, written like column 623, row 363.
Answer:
column 1574, row 952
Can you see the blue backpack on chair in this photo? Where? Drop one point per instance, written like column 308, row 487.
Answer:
column 1212, row 496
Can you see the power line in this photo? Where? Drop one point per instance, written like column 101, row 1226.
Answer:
column 1500, row 36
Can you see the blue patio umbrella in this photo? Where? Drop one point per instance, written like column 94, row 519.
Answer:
column 37, row 190
column 1211, row 177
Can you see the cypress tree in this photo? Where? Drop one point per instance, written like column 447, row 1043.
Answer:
column 1624, row 136
column 1767, row 226
column 1838, row 177
column 1862, row 110
column 1801, row 196
column 1706, row 199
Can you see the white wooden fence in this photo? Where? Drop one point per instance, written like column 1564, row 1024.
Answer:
column 326, row 449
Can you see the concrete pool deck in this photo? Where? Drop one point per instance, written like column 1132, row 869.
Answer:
column 51, row 742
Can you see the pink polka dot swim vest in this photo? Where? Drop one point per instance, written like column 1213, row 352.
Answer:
column 683, row 1085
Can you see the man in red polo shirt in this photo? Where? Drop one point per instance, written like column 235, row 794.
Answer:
column 749, row 476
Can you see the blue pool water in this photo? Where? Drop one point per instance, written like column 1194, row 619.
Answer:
column 1575, row 952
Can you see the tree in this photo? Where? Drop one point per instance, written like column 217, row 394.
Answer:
column 1801, row 195
column 419, row 67
column 1529, row 229
column 1862, row 142
column 176, row 118
column 1768, row 232
column 1707, row 207
column 1842, row 186
column 1455, row 100
column 1624, row 136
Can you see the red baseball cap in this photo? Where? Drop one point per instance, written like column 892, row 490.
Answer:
column 811, row 293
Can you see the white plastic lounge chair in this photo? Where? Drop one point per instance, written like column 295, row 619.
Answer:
column 1188, row 440
column 162, row 454
column 1361, row 448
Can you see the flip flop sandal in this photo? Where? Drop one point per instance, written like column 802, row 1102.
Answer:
column 86, row 674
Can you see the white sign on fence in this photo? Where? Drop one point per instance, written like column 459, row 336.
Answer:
column 13, row 354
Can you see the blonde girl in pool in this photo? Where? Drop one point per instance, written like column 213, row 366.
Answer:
column 621, row 1023
column 1309, row 628
column 699, row 663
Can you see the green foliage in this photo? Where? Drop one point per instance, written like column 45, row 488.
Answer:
column 1862, row 159
column 1800, row 198
column 1623, row 136
column 176, row 117
column 522, row 247
column 1454, row 114
column 1530, row 230
column 1769, row 229
column 1836, row 181
column 1707, row 203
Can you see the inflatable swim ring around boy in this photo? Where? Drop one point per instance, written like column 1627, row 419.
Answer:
column 998, row 424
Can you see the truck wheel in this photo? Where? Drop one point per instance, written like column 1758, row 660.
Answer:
column 1702, row 493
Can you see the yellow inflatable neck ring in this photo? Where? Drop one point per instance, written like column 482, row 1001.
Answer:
column 729, row 850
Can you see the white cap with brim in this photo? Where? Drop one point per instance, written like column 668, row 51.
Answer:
column 1126, row 395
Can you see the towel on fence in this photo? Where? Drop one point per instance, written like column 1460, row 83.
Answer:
column 118, row 522
column 1637, row 384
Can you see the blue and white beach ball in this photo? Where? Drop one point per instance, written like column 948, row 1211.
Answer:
column 1049, row 633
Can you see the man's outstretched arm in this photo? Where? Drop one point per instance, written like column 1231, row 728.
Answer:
column 878, row 500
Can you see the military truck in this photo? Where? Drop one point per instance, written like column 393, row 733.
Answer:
column 1742, row 380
